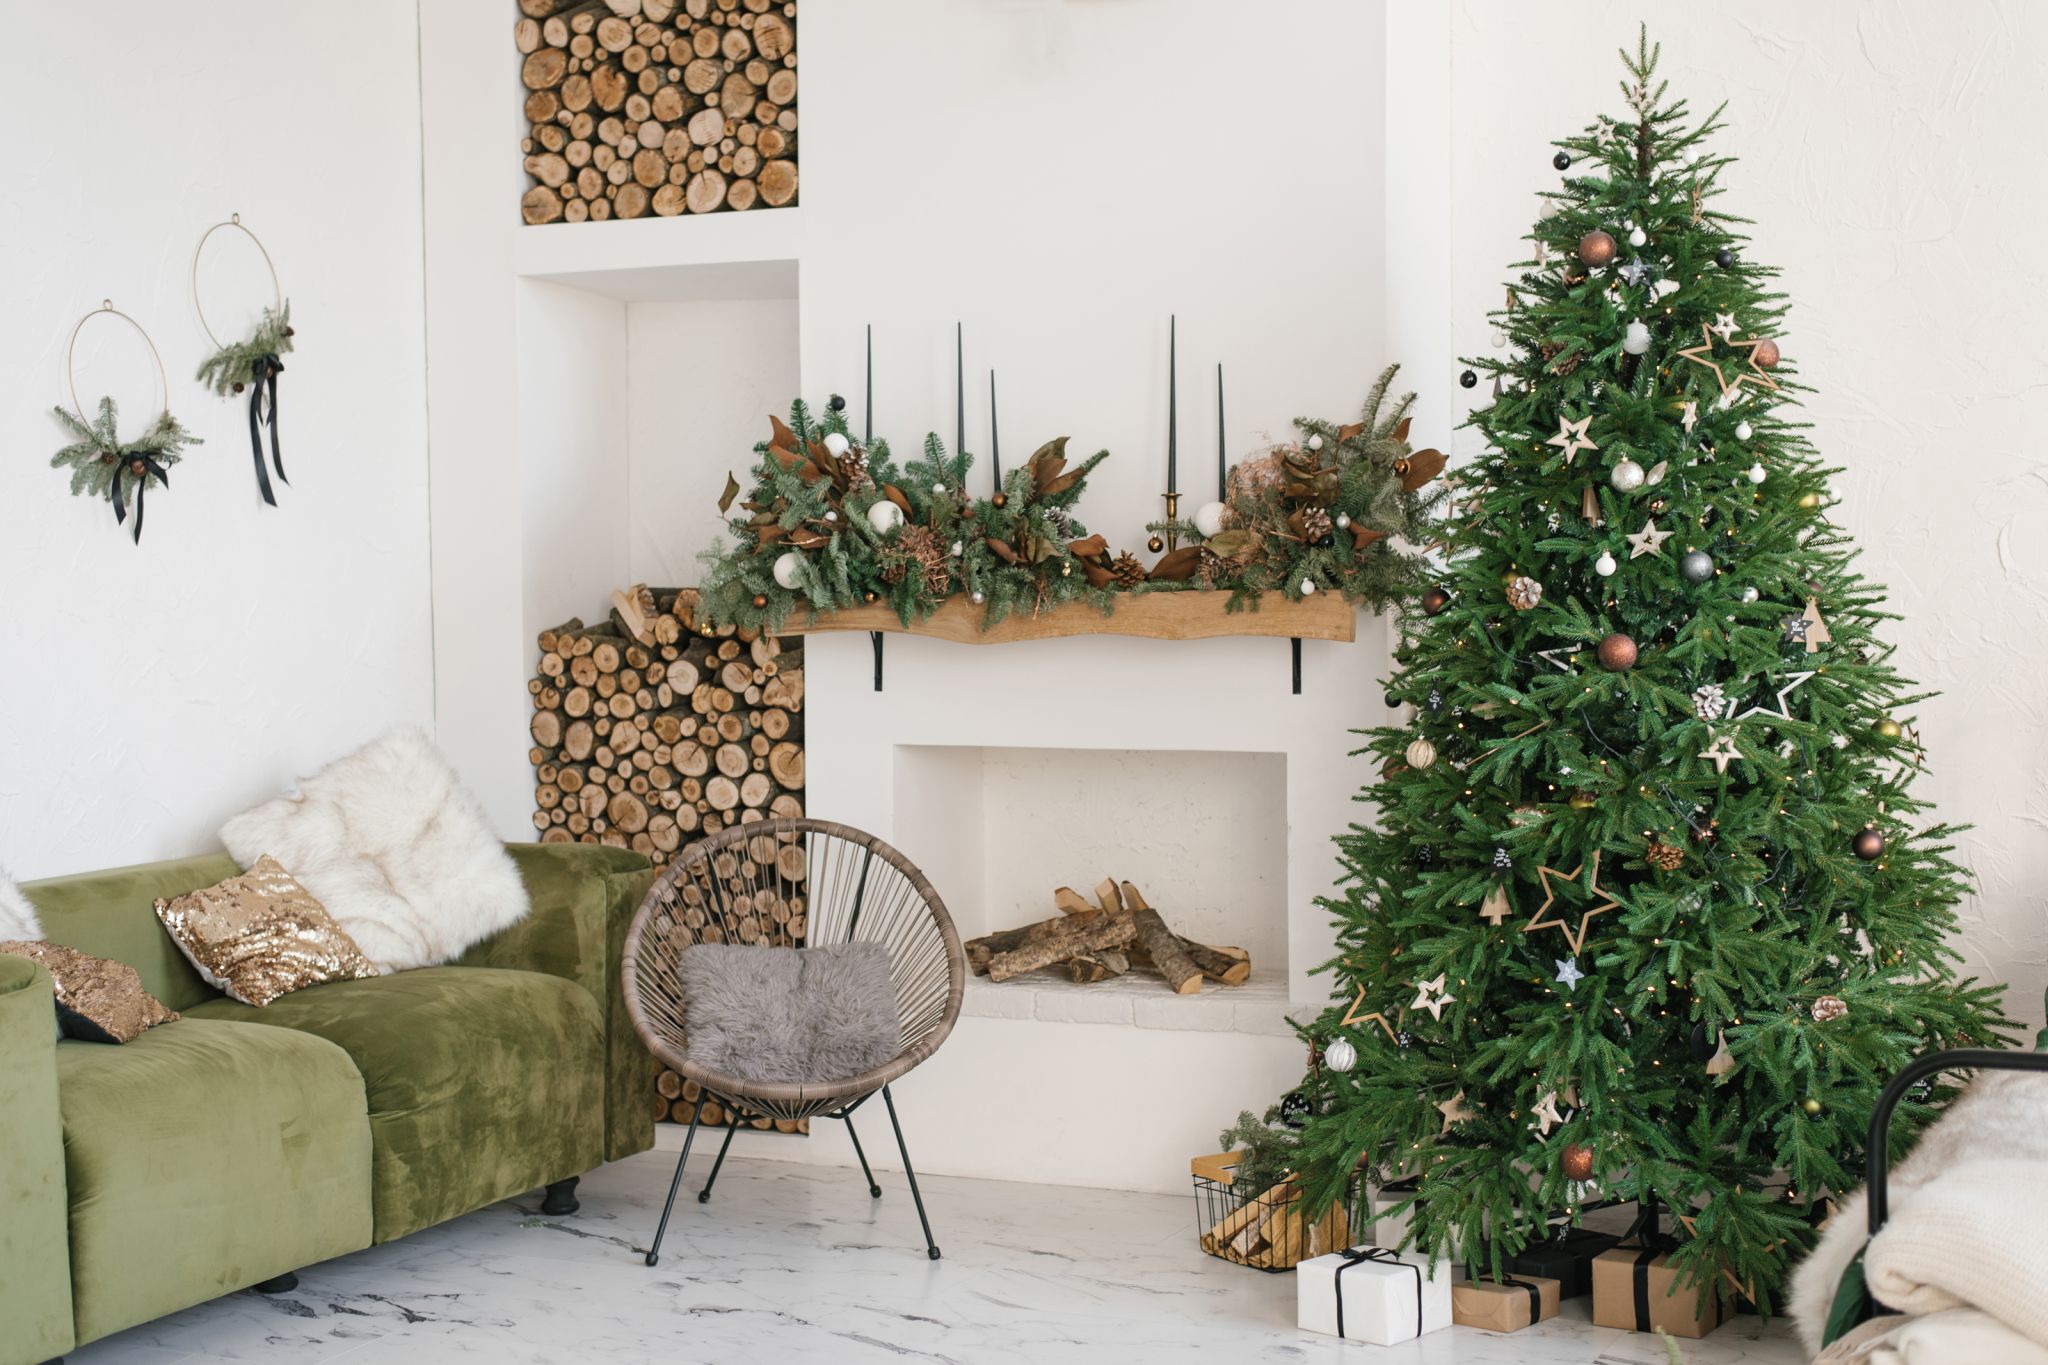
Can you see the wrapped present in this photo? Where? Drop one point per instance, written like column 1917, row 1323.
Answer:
column 1566, row 1256
column 1635, row 1288
column 1373, row 1294
column 1503, row 1305
column 1392, row 1230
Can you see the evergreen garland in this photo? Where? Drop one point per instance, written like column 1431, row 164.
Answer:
column 98, row 457
column 232, row 367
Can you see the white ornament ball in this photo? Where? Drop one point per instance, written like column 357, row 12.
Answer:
column 977, row 597
column 1743, row 431
column 1750, row 594
column 1308, row 587
column 939, row 487
column 1314, row 443
column 956, row 549
column 1637, row 339
column 786, row 568
column 885, row 516
column 831, row 515
column 1340, row 1055
column 1343, row 522
column 837, row 443
column 1757, row 473
column 1499, row 340
column 1421, row 754
column 1605, row 565
column 1209, row 519
column 1636, row 236
column 1626, row 477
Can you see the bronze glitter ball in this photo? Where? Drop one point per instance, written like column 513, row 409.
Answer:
column 137, row 468
column 1596, row 248
column 1155, row 545
column 1766, row 353
column 760, row 599
column 1577, row 1162
column 1434, row 601
column 1617, row 653
column 1868, row 844
column 1001, row 499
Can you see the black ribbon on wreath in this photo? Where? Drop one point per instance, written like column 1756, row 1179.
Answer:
column 143, row 465
column 263, row 373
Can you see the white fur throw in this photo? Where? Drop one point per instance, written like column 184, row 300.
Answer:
column 398, row 852
column 17, row 917
column 792, row 1015
column 1963, row 1213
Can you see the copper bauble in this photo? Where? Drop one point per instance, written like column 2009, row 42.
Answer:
column 1434, row 601
column 1766, row 353
column 1001, row 499
column 1868, row 844
column 1576, row 1161
column 137, row 468
column 1155, row 545
column 760, row 600
column 1617, row 653
column 1596, row 248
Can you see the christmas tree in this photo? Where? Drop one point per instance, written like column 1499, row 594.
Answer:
column 1648, row 910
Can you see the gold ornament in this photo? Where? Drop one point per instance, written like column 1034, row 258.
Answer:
column 1812, row 1107
column 1889, row 729
column 1606, row 903
column 1582, row 801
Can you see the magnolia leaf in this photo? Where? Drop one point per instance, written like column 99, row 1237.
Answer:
column 785, row 457
column 769, row 534
column 1362, row 536
column 895, row 495
column 804, row 538
column 1046, row 463
column 1001, row 550
column 1352, row 430
column 1238, row 544
column 1098, row 575
column 1177, row 565
column 732, row 490
column 1038, row 549
column 1419, row 468
column 782, row 435
column 1089, row 548
column 1401, row 430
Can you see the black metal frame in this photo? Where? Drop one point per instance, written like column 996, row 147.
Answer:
column 845, row 1116
column 1877, row 1148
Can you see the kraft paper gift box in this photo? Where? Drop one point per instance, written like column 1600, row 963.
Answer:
column 1506, row 1305
column 1567, row 1259
column 1635, row 1289
column 1373, row 1295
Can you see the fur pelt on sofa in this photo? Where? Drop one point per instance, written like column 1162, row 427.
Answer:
column 1963, row 1213
column 17, row 917
column 397, row 850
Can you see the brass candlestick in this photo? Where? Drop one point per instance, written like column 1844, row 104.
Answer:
column 1172, row 520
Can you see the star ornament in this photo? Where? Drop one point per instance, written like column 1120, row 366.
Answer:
column 1793, row 681
column 1352, row 1016
column 1603, row 904
column 1571, row 437
column 1454, row 1110
column 1724, row 323
column 1546, row 1114
column 1568, row 973
column 1703, row 356
column 1689, row 414
column 1430, row 995
column 1721, row 753
column 1648, row 541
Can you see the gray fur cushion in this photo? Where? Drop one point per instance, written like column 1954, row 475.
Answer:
column 789, row 1015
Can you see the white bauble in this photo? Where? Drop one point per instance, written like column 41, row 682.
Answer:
column 831, row 515
column 885, row 516
column 1743, row 431
column 1340, row 1055
column 939, row 487
column 1343, row 522
column 1637, row 339
column 787, row 567
column 1499, row 338
column 1636, row 236
column 1209, row 519
column 1626, row 477
column 1421, row 754
column 1308, row 586
column 1667, row 287
column 837, row 443
column 1757, row 474
column 1750, row 594
column 977, row 597
column 1605, row 565
column 956, row 549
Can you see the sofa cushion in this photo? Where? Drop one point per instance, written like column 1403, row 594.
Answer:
column 108, row 914
column 482, row 1083
column 202, row 1158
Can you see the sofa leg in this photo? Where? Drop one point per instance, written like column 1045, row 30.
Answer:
column 561, row 1198
column 283, row 1284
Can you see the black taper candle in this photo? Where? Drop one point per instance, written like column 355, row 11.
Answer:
column 868, row 408
column 995, row 450
column 1172, row 402
column 1220, row 458
column 960, row 391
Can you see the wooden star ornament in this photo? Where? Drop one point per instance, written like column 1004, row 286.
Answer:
column 1605, row 903
column 1703, row 356
column 1571, row 437
column 1648, row 541
column 1430, row 995
column 1352, row 1016
column 1545, row 1113
column 1721, row 753
column 1455, row 1110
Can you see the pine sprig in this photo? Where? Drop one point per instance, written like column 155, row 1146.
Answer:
column 99, row 456
column 234, row 365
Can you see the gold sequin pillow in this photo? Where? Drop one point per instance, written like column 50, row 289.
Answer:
column 98, row 1000
column 261, row 935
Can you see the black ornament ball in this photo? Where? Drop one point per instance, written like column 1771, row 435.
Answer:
column 1392, row 700
column 1434, row 601
column 1294, row 1109
column 1869, row 844
column 1703, row 1042
column 837, row 402
column 1696, row 566
column 1562, row 161
column 1724, row 258
column 1469, row 379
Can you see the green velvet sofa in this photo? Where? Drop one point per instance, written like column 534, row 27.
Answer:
column 236, row 1145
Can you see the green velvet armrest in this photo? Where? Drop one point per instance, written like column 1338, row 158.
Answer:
column 584, row 896
column 35, row 1237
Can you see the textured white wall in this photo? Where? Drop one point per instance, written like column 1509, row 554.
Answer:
column 150, row 692
column 1890, row 155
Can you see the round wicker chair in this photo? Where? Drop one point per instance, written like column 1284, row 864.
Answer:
column 795, row 883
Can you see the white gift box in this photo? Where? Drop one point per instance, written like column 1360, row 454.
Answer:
column 1371, row 1294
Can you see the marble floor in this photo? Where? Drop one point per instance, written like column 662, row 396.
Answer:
column 794, row 1263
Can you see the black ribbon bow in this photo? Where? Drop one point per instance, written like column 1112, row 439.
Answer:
column 263, row 373
column 129, row 459
column 1384, row 1256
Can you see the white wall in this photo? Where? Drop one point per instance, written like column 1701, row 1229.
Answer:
column 1890, row 156
column 150, row 692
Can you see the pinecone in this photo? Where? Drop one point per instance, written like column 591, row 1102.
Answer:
column 1062, row 522
column 1709, row 701
column 854, row 464
column 1664, row 856
column 1316, row 524
column 1829, row 1008
column 1524, row 593
column 1129, row 573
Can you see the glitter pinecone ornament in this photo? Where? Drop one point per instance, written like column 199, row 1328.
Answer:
column 1127, row 571
column 854, row 464
column 1661, row 855
column 1709, row 701
column 1316, row 524
column 1524, row 593
column 1829, row 1008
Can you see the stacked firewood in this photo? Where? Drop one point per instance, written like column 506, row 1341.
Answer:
column 648, row 732
column 1272, row 1232
column 1108, row 938
column 675, row 1097
column 639, row 105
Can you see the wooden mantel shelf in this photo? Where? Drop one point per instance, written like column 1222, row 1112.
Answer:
column 1192, row 615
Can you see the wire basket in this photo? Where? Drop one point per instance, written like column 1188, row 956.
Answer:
column 1271, row 1232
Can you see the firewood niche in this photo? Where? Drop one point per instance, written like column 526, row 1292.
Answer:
column 1119, row 932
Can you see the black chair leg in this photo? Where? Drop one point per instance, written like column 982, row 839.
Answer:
column 654, row 1252
column 931, row 1247
column 874, row 1190
column 283, row 1284
column 732, row 1126
column 559, row 1200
